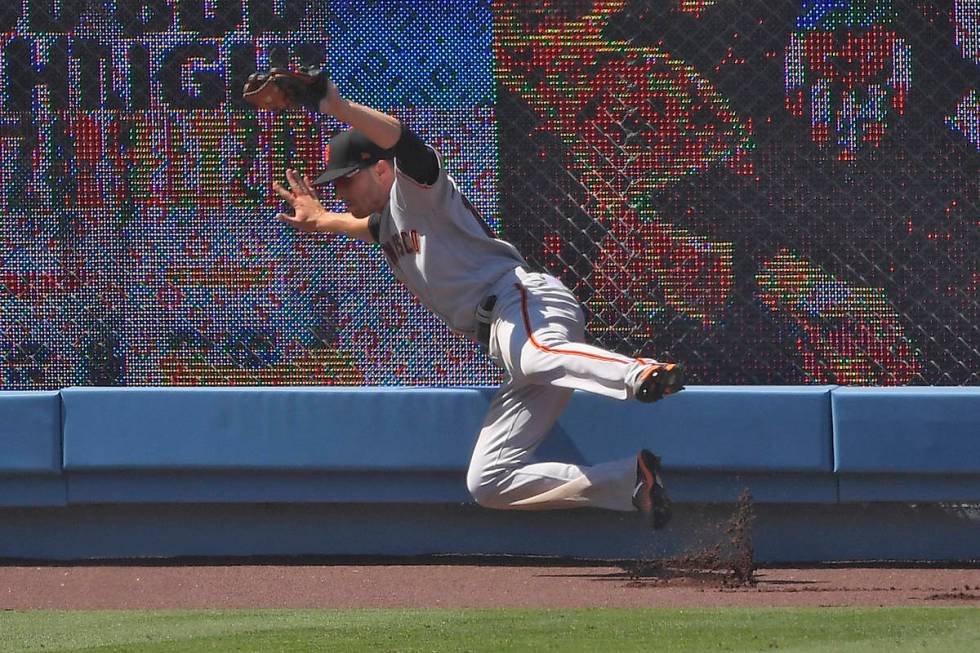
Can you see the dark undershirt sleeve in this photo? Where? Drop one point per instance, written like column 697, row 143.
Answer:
column 374, row 226
column 415, row 158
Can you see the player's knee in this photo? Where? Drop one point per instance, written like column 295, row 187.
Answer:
column 485, row 493
column 489, row 497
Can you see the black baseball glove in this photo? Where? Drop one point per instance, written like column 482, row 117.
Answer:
column 281, row 89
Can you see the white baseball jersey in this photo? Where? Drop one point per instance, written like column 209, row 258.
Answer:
column 441, row 249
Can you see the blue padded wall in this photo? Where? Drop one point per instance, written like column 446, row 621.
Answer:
column 30, row 449
column 785, row 429
column 371, row 444
column 30, row 433
column 907, row 430
column 907, row 444
column 270, row 429
column 711, row 428
column 347, row 468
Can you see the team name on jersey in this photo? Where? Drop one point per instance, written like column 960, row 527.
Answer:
column 402, row 243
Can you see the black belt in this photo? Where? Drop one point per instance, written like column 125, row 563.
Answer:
column 484, row 317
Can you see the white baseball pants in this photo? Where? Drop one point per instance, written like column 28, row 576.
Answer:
column 536, row 336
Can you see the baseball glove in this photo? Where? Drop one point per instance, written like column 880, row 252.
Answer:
column 281, row 89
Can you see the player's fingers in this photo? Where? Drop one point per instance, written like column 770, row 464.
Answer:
column 303, row 182
column 294, row 182
column 282, row 192
column 297, row 223
column 311, row 189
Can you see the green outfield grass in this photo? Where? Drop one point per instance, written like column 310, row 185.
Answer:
column 894, row 630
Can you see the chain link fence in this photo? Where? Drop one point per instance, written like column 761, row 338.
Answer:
column 773, row 193
column 770, row 192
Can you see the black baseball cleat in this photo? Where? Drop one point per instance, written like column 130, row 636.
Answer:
column 650, row 497
column 659, row 380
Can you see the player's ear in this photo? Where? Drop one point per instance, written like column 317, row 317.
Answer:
column 384, row 167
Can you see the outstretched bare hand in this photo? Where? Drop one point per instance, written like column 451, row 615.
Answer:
column 308, row 212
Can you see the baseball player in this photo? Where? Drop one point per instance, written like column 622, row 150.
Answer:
column 399, row 195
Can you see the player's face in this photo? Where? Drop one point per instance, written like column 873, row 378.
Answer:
column 366, row 191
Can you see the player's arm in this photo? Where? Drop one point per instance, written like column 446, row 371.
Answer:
column 311, row 216
column 382, row 129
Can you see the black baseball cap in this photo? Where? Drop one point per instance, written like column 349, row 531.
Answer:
column 350, row 151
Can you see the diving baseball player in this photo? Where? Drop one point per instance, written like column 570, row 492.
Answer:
column 399, row 196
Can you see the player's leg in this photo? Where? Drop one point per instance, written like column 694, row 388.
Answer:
column 538, row 337
column 504, row 474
